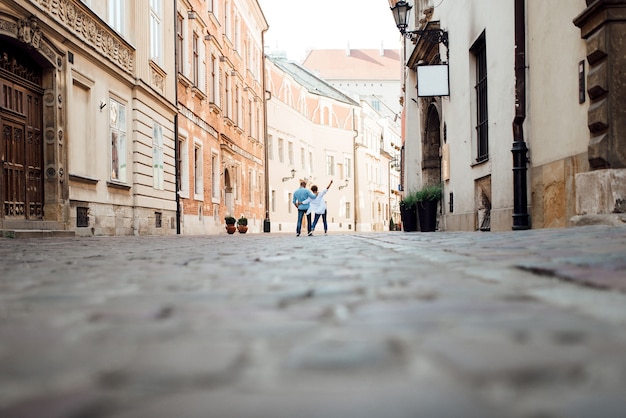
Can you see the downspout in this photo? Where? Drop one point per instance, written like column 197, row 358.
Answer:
column 520, row 151
column 176, row 144
column 354, row 167
column 266, row 223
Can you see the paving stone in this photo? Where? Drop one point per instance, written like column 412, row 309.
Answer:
column 522, row 324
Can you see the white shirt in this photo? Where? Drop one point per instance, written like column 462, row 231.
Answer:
column 317, row 205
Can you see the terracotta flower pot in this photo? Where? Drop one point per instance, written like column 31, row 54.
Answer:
column 242, row 229
column 231, row 229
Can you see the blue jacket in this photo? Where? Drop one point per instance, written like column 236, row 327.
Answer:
column 301, row 195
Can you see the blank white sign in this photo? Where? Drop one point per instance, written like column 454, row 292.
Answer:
column 432, row 80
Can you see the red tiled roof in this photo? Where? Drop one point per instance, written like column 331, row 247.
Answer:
column 360, row 64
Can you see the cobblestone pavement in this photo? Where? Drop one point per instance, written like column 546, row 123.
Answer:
column 385, row 325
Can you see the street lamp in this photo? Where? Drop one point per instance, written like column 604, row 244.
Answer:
column 401, row 14
column 293, row 174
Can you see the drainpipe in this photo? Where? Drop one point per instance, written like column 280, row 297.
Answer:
column 176, row 144
column 354, row 167
column 267, row 225
column 520, row 151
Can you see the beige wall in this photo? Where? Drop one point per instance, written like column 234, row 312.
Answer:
column 301, row 127
column 555, row 127
column 86, row 70
column 557, row 123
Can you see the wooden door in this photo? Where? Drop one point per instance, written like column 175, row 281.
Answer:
column 21, row 151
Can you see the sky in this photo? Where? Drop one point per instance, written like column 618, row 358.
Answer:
column 301, row 25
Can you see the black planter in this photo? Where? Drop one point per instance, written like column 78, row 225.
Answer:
column 427, row 214
column 409, row 218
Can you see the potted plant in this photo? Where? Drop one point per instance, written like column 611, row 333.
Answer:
column 428, row 199
column 230, row 224
column 242, row 224
column 408, row 212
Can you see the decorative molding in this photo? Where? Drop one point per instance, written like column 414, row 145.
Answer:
column 74, row 16
column 157, row 77
column 27, row 31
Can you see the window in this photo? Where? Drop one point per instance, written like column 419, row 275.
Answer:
column 258, row 123
column 303, row 157
column 227, row 24
column 237, row 35
column 229, row 99
column 347, row 166
column 215, row 176
column 116, row 15
column 274, row 200
column 198, row 183
column 330, row 165
column 479, row 51
column 259, row 185
column 347, row 210
column 156, row 31
column 195, row 69
column 214, row 95
column 289, row 203
column 281, row 154
column 290, row 152
column 117, row 129
column 237, row 107
column 250, row 186
column 270, row 147
column 183, row 164
column 180, row 43
column 157, row 157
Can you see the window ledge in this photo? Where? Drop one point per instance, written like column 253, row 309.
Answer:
column 116, row 185
column 82, row 179
column 479, row 163
column 214, row 108
column 196, row 92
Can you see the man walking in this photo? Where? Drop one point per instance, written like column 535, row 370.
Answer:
column 299, row 196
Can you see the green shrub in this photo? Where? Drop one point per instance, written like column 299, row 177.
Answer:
column 432, row 192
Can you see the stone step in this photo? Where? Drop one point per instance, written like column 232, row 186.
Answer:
column 36, row 233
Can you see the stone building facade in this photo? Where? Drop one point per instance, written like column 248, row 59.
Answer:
column 311, row 137
column 532, row 120
column 221, row 126
column 87, row 109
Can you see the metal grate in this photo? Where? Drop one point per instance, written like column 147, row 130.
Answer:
column 82, row 217
column 158, row 219
column 482, row 114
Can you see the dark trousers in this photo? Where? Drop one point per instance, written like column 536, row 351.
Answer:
column 301, row 214
column 317, row 218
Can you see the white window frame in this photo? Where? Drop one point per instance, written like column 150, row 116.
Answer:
column 183, row 150
column 330, row 165
column 118, row 143
column 115, row 15
column 198, row 180
column 158, row 171
column 215, row 176
column 156, row 31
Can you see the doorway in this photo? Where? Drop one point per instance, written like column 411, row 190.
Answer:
column 431, row 148
column 21, row 147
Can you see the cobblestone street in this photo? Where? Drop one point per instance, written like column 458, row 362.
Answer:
column 384, row 325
